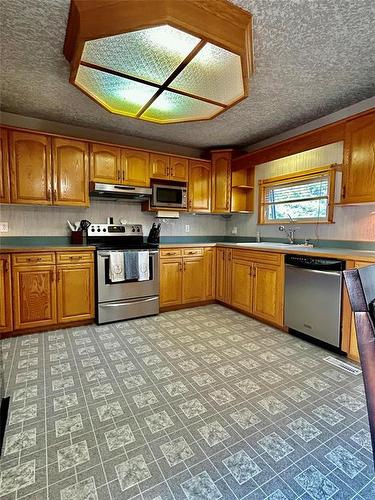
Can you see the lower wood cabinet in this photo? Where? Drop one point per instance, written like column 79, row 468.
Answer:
column 45, row 294
column 186, row 276
column 34, row 296
column 75, row 292
column 252, row 282
column 6, row 321
column 224, row 275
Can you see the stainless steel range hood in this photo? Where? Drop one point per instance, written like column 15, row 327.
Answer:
column 117, row 191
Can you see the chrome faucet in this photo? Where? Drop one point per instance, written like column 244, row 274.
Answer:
column 289, row 231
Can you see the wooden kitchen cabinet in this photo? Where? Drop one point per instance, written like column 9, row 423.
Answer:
column 159, row 165
column 70, row 172
column 6, row 322
column 179, row 169
column 199, row 191
column 34, row 296
column 359, row 160
column 30, row 168
column 221, row 181
column 135, row 166
column 171, row 270
column 209, row 273
column 75, row 292
column 105, row 163
column 242, row 272
column 268, row 292
column 224, row 274
column 4, row 167
column 193, row 280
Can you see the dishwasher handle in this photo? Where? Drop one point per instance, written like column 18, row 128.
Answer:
column 315, row 271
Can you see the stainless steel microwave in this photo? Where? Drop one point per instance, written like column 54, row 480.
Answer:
column 166, row 195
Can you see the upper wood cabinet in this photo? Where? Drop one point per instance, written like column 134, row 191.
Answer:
column 30, row 166
column 199, row 186
column 359, row 160
column 178, row 169
column 135, row 167
column 159, row 166
column 5, row 295
column 172, row 168
column 70, row 172
column 221, row 181
column 4, row 167
column 105, row 163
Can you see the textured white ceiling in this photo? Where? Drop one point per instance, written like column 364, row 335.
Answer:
column 312, row 57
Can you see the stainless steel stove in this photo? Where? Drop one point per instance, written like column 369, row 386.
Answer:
column 116, row 301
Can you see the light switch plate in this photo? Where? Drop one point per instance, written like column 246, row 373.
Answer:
column 187, row 228
column 4, row 227
column 234, row 230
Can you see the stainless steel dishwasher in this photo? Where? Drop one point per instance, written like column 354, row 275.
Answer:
column 313, row 292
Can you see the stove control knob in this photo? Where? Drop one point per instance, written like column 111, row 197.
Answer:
column 133, row 229
column 92, row 229
column 104, row 230
column 98, row 229
column 138, row 229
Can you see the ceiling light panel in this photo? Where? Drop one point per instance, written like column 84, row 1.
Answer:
column 117, row 94
column 151, row 54
column 170, row 107
column 214, row 73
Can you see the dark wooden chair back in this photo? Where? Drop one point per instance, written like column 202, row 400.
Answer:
column 361, row 288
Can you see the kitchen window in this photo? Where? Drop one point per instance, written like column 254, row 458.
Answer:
column 306, row 196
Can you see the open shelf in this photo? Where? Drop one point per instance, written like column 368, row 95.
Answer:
column 243, row 190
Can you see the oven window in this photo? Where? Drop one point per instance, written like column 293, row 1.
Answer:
column 168, row 195
column 109, row 282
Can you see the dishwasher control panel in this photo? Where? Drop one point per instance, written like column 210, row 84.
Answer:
column 312, row 262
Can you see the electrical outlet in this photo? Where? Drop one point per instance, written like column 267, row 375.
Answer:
column 234, row 230
column 4, row 227
column 187, row 228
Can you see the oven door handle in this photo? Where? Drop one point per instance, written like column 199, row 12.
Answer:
column 129, row 301
column 106, row 254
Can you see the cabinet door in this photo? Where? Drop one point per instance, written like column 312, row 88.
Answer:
column 199, row 186
column 135, row 167
column 220, row 274
column 159, row 166
column 4, row 167
column 70, row 172
column 179, row 168
column 209, row 273
column 34, row 296
column 30, row 168
column 242, row 285
column 75, row 292
column 221, row 182
column 105, row 163
column 359, row 160
column 5, row 295
column 268, row 293
column 170, row 282
column 193, row 289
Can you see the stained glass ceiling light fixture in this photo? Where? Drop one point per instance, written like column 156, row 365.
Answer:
column 163, row 61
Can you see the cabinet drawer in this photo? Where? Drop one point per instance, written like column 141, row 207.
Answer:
column 33, row 259
column 193, row 251
column 74, row 257
column 170, row 252
column 265, row 257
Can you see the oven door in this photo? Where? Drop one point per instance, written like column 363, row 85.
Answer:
column 169, row 196
column 109, row 292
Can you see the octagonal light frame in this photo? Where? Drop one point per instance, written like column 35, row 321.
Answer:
column 212, row 26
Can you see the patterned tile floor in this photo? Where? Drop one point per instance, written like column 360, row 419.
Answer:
column 197, row 404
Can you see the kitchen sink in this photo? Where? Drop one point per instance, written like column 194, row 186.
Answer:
column 265, row 244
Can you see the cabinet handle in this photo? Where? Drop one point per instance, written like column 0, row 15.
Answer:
column 123, row 176
column 184, row 266
column 79, row 257
column 190, row 203
column 192, row 253
column 33, row 259
column 229, row 255
column 55, row 194
column 343, row 191
column 6, row 267
column 49, row 194
column 58, row 275
column 170, row 253
column 167, row 171
column 118, row 175
column 180, row 267
column 172, row 172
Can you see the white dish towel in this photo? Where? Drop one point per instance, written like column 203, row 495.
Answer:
column 116, row 266
column 143, row 266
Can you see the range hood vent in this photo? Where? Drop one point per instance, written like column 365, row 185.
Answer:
column 118, row 191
